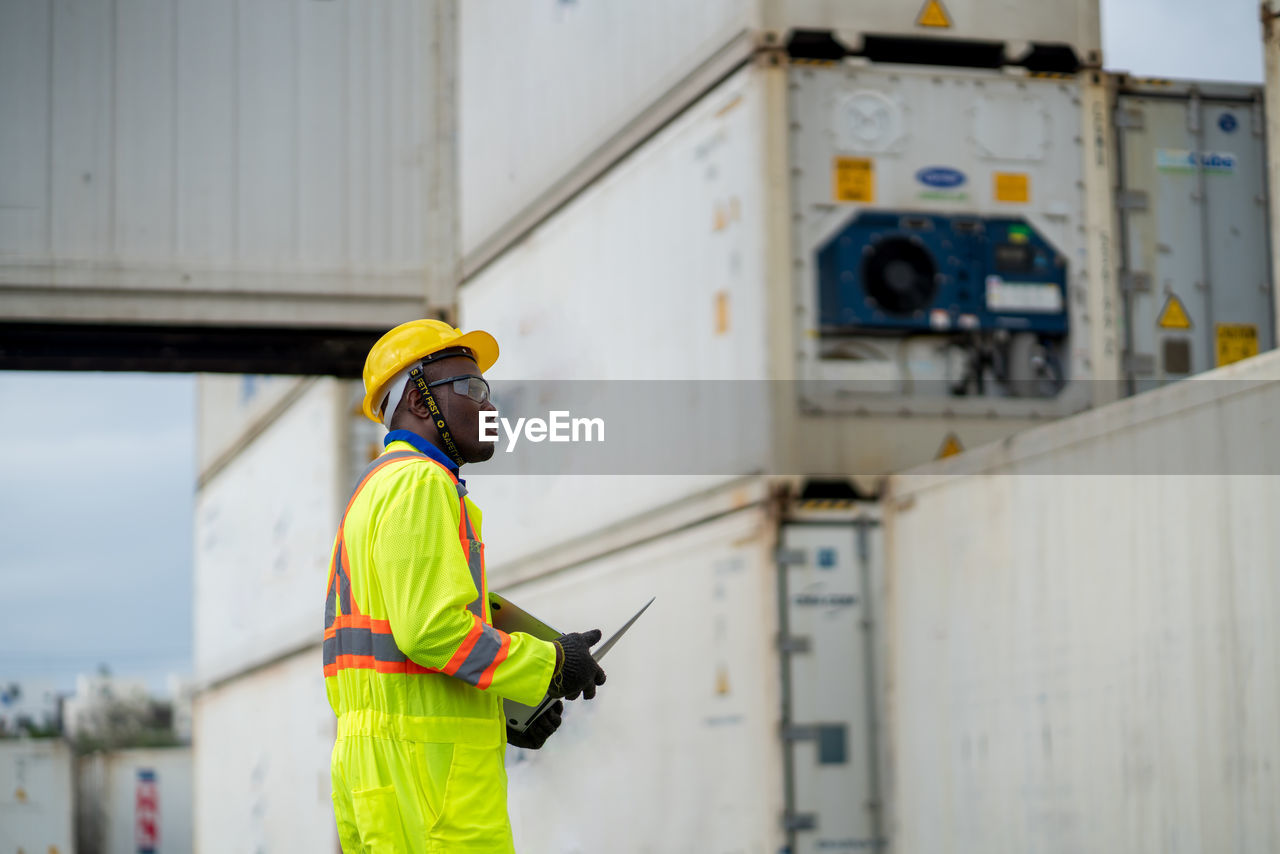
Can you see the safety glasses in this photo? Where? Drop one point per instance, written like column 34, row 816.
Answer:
column 469, row 385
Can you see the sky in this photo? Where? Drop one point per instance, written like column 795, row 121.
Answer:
column 97, row 471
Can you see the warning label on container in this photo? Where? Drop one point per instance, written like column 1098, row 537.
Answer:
column 853, row 179
column 1235, row 341
column 1174, row 315
column 933, row 15
column 950, row 447
column 1012, row 186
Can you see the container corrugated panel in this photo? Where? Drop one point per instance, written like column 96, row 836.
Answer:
column 1082, row 623
column 230, row 409
column 548, row 90
column 265, row 524
column 625, row 284
column 37, row 798
column 1193, row 201
column 262, row 745
column 178, row 161
column 118, row 788
column 668, row 753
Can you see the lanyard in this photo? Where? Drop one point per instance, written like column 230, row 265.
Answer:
column 450, row 446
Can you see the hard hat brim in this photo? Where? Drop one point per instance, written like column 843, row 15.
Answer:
column 482, row 344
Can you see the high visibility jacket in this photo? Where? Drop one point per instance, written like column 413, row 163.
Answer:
column 414, row 669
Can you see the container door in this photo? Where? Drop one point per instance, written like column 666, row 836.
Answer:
column 828, row 674
column 1193, row 208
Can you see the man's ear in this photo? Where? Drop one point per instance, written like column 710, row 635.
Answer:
column 415, row 404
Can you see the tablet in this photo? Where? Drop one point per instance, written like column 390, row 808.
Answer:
column 509, row 617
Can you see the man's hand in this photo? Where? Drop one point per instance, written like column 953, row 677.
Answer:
column 576, row 671
column 539, row 731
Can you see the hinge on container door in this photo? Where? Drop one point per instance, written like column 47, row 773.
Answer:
column 1193, row 112
column 1131, row 200
column 1128, row 119
column 799, row 821
column 1135, row 282
column 1256, row 117
column 1139, row 363
column 791, row 557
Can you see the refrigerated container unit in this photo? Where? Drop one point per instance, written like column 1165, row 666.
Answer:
column 906, row 259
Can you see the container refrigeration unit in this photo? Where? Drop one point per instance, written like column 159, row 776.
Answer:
column 897, row 256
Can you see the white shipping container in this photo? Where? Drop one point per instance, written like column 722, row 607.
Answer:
column 1081, row 631
column 174, row 161
column 232, row 408
column 127, row 796
column 265, row 522
column 695, row 260
column 711, row 733
column 262, row 745
column 1071, row 647
column 552, row 94
column 37, row 797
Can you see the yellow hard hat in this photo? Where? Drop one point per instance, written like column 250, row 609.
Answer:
column 408, row 344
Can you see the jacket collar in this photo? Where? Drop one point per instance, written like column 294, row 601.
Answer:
column 422, row 446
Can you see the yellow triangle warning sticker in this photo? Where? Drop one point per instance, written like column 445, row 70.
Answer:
column 933, row 15
column 950, row 447
column 1174, row 315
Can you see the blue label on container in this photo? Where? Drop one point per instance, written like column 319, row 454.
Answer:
column 940, row 176
column 1228, row 123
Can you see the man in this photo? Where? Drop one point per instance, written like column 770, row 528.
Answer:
column 413, row 668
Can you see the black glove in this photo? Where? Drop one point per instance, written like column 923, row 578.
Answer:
column 576, row 671
column 539, row 731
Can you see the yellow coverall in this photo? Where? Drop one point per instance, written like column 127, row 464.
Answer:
column 415, row 671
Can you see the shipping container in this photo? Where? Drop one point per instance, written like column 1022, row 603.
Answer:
column 138, row 798
column 1061, row 642
column 726, row 256
column 37, row 796
column 1081, row 631
column 727, row 723
column 1193, row 202
column 265, row 519
column 262, row 750
column 178, row 162
column 231, row 410
column 553, row 94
